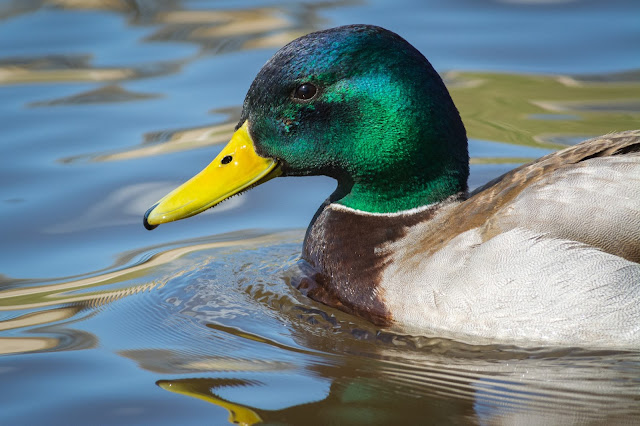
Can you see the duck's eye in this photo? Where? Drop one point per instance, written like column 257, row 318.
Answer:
column 305, row 91
column 226, row 159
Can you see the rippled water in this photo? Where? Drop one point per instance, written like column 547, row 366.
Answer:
column 107, row 105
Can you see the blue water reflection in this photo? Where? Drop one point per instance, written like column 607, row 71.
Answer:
column 107, row 105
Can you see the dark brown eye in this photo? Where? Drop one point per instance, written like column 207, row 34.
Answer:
column 305, row 91
column 226, row 159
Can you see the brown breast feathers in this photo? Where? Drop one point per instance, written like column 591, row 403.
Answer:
column 345, row 249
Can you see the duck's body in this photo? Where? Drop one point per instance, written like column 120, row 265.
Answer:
column 548, row 253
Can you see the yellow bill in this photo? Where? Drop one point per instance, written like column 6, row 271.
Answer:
column 237, row 167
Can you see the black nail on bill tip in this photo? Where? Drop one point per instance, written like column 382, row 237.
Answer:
column 147, row 225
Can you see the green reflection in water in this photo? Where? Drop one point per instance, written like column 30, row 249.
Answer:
column 511, row 107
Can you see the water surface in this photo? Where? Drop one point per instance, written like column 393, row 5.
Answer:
column 106, row 106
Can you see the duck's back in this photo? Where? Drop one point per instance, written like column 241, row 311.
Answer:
column 589, row 193
column 548, row 252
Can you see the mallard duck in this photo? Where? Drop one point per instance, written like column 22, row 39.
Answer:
column 546, row 254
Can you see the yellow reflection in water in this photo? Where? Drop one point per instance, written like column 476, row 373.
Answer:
column 13, row 345
column 53, row 294
column 38, row 318
column 228, row 23
column 113, row 5
column 15, row 74
column 212, row 30
column 202, row 389
column 180, row 140
column 105, row 94
column 10, row 345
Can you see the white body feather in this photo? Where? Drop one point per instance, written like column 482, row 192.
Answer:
column 526, row 284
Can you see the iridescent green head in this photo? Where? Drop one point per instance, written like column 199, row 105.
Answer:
column 357, row 103
column 360, row 104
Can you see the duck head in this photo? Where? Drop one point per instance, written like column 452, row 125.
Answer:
column 357, row 103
